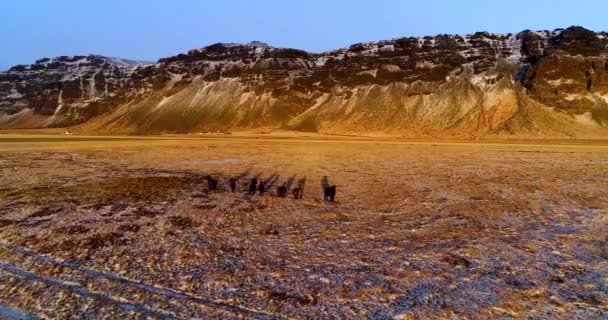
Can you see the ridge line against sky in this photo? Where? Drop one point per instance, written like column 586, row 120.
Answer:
column 149, row 30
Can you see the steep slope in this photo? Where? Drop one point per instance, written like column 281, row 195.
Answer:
column 64, row 90
column 544, row 83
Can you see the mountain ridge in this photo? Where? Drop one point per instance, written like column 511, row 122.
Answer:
column 539, row 83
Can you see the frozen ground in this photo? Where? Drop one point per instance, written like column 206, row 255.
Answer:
column 419, row 230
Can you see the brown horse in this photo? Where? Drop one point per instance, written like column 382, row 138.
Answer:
column 298, row 192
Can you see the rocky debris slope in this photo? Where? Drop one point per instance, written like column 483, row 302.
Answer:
column 551, row 83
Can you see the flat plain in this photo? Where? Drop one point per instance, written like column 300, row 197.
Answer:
column 126, row 227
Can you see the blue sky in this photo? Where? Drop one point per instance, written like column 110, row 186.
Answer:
column 151, row 29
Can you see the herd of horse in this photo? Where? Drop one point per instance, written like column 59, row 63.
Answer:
column 255, row 187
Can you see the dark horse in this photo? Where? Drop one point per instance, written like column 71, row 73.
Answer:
column 329, row 193
column 253, row 186
column 211, row 182
column 233, row 185
column 282, row 191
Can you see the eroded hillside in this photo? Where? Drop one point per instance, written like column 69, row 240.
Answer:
column 534, row 83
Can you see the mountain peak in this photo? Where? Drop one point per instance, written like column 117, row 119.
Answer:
column 91, row 60
column 258, row 44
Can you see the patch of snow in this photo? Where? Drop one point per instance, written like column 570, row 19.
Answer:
column 320, row 101
column 572, row 97
column 92, row 88
column 559, row 82
column 59, row 101
column 605, row 98
column 15, row 95
column 81, row 87
column 482, row 80
column 391, row 68
column 4, row 118
column 514, row 46
column 321, row 61
column 175, row 77
column 373, row 73
column 387, row 48
column 420, row 42
column 586, row 118
column 127, row 63
column 424, row 64
column 162, row 102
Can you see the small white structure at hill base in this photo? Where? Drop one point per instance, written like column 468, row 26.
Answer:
column 213, row 133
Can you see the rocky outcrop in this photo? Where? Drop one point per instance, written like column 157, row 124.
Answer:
column 65, row 90
column 550, row 83
column 572, row 74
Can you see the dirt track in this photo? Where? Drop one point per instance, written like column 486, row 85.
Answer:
column 418, row 231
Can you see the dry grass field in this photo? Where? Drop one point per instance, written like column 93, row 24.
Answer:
column 125, row 227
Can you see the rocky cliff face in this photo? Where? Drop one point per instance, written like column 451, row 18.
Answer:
column 551, row 83
column 65, row 90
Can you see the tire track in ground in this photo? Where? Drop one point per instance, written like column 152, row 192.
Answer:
column 164, row 292
column 85, row 292
column 113, row 289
